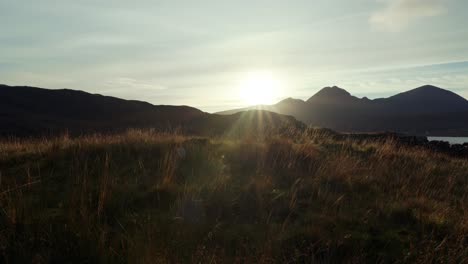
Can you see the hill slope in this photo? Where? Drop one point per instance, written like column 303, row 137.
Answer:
column 160, row 198
column 30, row 111
column 424, row 110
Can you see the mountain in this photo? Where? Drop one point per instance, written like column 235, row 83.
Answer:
column 332, row 95
column 424, row 110
column 31, row 111
column 428, row 99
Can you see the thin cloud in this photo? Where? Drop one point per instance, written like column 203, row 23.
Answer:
column 399, row 14
column 129, row 83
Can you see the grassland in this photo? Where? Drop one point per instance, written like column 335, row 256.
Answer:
column 142, row 197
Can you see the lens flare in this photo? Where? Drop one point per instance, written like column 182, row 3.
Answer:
column 259, row 88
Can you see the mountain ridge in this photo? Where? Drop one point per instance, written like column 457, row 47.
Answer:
column 424, row 110
column 332, row 92
column 30, row 111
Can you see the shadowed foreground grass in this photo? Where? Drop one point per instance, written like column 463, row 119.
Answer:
column 157, row 198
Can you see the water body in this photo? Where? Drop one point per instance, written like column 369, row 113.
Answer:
column 451, row 140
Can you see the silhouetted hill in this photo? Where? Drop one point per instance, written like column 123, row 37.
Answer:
column 30, row 111
column 427, row 99
column 251, row 123
column 424, row 110
column 332, row 95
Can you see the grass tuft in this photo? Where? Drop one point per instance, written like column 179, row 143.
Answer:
column 145, row 197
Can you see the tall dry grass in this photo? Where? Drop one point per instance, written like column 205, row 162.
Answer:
column 144, row 197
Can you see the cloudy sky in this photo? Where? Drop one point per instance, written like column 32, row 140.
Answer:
column 200, row 52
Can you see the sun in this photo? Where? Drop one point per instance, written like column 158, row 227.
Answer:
column 259, row 88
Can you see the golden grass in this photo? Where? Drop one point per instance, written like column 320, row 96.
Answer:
column 145, row 197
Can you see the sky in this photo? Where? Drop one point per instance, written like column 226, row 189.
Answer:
column 204, row 53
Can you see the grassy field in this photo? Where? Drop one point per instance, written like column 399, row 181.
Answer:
column 143, row 197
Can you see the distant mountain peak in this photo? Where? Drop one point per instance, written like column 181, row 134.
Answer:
column 423, row 110
column 430, row 93
column 333, row 91
column 330, row 93
column 429, row 89
column 428, row 86
column 290, row 100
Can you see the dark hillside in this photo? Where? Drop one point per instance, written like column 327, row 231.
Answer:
column 427, row 110
column 29, row 111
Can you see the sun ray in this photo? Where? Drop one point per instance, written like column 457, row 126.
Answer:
column 259, row 88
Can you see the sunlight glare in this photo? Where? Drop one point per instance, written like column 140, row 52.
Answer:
column 259, row 88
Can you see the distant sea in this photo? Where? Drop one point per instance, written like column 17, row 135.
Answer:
column 451, row 140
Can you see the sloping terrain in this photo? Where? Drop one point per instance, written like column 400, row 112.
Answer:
column 144, row 197
column 29, row 111
column 424, row 110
